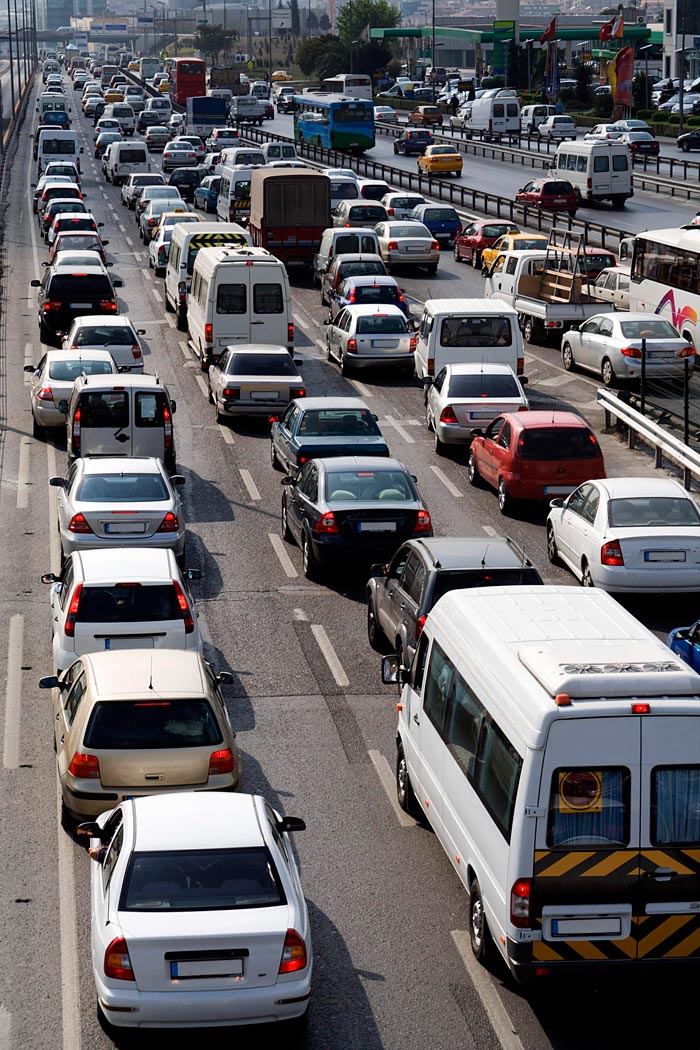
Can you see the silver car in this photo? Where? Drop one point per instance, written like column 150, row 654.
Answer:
column 400, row 205
column 52, row 381
column 611, row 345
column 370, row 335
column 119, row 502
column 462, row 397
column 253, row 380
column 134, row 184
column 358, row 213
column 406, row 243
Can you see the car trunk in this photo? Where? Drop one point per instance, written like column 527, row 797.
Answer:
column 158, row 769
column 128, row 616
column 343, row 446
column 470, row 412
column 677, row 548
column 374, row 523
column 376, row 344
column 414, row 246
column 269, row 389
column 660, row 349
column 122, row 520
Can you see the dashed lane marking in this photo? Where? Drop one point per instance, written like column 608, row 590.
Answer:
column 361, row 388
column 68, row 926
column 157, row 295
column 490, row 531
column 329, row 654
column 388, row 782
column 23, row 481
column 400, row 429
column 13, row 692
column 250, row 485
column 285, row 560
column 441, row 476
column 202, row 386
column 226, row 434
column 129, row 241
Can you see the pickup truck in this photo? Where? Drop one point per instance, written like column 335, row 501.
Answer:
column 246, row 109
column 548, row 301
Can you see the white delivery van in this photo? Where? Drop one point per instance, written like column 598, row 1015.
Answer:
column 339, row 240
column 232, row 156
column 162, row 106
column 278, row 151
column 532, row 116
column 122, row 112
column 599, row 170
column 493, row 118
column 48, row 102
column 186, row 241
column 233, row 202
column 343, row 188
column 238, row 295
column 125, row 159
column 58, row 145
column 467, row 331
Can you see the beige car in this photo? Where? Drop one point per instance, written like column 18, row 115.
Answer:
column 131, row 722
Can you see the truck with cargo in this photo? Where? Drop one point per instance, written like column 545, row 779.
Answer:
column 204, row 114
column 289, row 210
column 223, row 77
column 246, row 109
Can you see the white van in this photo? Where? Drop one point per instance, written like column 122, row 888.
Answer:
column 467, row 331
column 122, row 112
column 532, row 116
column 125, row 159
column 48, row 102
column 233, row 202
column 238, row 295
column 492, row 118
column 185, row 245
column 58, row 145
column 551, row 740
column 343, row 188
column 279, row 151
column 338, row 240
column 232, row 156
column 599, row 170
column 161, row 106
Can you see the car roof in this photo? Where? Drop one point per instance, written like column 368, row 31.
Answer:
column 329, row 403
column 192, row 820
column 643, row 487
column 360, row 463
column 121, row 563
column 120, row 464
column 88, row 271
column 147, row 673
column 258, row 348
column 552, row 419
column 375, row 310
column 478, row 368
column 370, row 279
column 345, row 257
column 638, row 316
column 78, row 354
column 106, row 320
column 460, row 552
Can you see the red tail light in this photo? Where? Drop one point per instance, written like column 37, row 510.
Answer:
column 208, row 333
column 221, row 762
column 352, row 344
column 108, row 306
column 76, row 431
column 435, row 246
column 84, row 767
column 431, row 366
column 521, row 365
column 688, row 351
column 183, row 603
column 392, row 246
column 73, row 612
column 390, row 211
column 448, row 415
column 45, row 394
column 167, row 427
column 136, row 351
column 420, row 624
column 423, row 522
column 232, row 392
column 520, row 900
column 630, row 351
column 169, row 523
column 290, row 333
column 117, row 964
column 51, row 306
column 611, row 553
column 353, row 296
column 79, row 524
column 298, row 391
column 413, row 343
column 293, row 953
column 326, row 524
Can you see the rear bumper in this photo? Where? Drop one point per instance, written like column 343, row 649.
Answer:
column 333, row 551
column 682, row 579
column 397, row 360
column 170, row 541
column 87, row 798
column 527, row 971
column 260, row 409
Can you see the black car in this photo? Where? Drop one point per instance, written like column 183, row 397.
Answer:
column 413, row 142
column 148, row 119
column 690, row 140
column 186, row 180
column 351, row 509
column 98, row 111
column 64, row 295
column 321, row 427
column 400, row 595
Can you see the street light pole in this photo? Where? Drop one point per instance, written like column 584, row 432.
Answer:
column 269, row 55
column 682, row 76
column 12, row 65
column 432, row 56
column 646, row 49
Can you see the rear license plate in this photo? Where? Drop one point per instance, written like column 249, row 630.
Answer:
column 607, row 927
column 662, row 355
column 481, row 415
column 409, row 249
column 377, row 526
column 125, row 528
column 264, row 395
column 558, row 490
column 664, row 556
column 180, row 969
column 383, row 344
column 80, row 306
column 128, row 641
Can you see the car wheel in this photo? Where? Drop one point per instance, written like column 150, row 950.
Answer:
column 432, row 269
column 586, row 578
column 396, row 150
column 458, row 257
column 307, row 557
column 345, row 368
column 685, row 146
column 473, row 472
column 567, row 357
column 274, row 458
column 405, row 795
column 479, row 934
column 169, row 308
column 476, row 260
column 286, row 531
column 504, row 500
column 529, row 330
column 438, row 445
column 377, row 638
column 552, row 552
column 210, row 394
column 428, row 417
column 37, row 429
column 607, row 372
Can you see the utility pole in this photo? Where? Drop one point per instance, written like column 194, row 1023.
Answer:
column 12, row 65
column 432, row 56
column 681, row 77
column 269, row 11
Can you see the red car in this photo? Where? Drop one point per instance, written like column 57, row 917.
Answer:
column 269, row 110
column 552, row 194
column 595, row 260
column 534, row 455
column 477, row 235
column 84, row 241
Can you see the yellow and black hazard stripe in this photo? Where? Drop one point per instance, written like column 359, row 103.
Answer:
column 586, row 864
column 216, row 240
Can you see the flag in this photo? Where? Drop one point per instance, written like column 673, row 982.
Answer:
column 612, row 30
column 624, row 71
column 550, row 32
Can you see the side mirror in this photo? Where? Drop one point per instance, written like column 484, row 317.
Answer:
column 63, row 407
column 49, row 577
column 178, row 479
column 573, row 328
column 298, row 363
column 524, row 380
column 57, row 483
column 556, row 504
column 29, row 368
column 104, row 245
column 291, row 824
column 394, row 673
column 325, row 323
column 139, row 331
column 90, row 828
column 35, row 284
column 173, row 406
column 378, row 570
column 82, row 149
column 45, row 264
column 477, row 432
column 193, row 574
column 118, row 283
column 288, row 480
column 224, row 678
column 49, row 682
column 427, row 381
column 100, row 224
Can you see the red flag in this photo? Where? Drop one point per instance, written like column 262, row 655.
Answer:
column 613, row 29
column 624, row 69
column 550, row 32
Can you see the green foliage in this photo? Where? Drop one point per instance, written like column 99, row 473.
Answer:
column 327, row 56
column 356, row 15
column 211, row 40
column 640, row 98
column 584, row 79
column 310, row 53
column 603, row 105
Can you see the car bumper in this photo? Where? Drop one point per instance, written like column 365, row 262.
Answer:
column 631, row 368
column 397, row 360
column 619, row 579
column 404, row 259
column 166, row 541
column 261, row 409
column 48, row 417
column 335, row 551
column 543, row 489
column 442, row 170
column 88, row 798
column 454, row 433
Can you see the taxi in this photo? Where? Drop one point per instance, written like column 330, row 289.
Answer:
column 513, row 242
column 440, row 160
column 134, row 66
column 280, row 75
column 114, row 94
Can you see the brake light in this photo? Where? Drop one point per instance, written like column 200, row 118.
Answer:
column 167, row 427
column 352, row 296
column 208, row 333
column 48, row 305
column 169, row 523
column 136, row 351
column 423, row 522
column 431, row 366
column 297, row 391
column 117, row 964
column 448, row 415
column 326, row 523
column 221, row 762
column 84, row 767
column 420, row 624
column 521, row 365
column 630, row 351
column 435, row 246
column 392, row 246
column 413, row 343
column 108, row 306
column 79, row 524
column 611, row 553
column 520, row 900
column 688, row 351
column 232, row 392
column 69, row 628
column 76, row 431
column 293, row 953
column 352, row 344
column 290, row 332
column 45, row 394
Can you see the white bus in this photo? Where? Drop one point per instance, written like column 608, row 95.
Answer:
column 352, row 85
column 664, row 278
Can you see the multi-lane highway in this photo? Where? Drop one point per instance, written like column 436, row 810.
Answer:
column 389, row 917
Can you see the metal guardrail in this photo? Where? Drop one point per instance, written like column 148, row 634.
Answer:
column 639, row 426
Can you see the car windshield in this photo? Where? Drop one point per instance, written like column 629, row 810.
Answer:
column 637, row 512
column 87, row 242
column 475, row 331
column 128, row 603
column 121, row 488
column 261, row 365
column 381, row 324
column 459, row 579
column 338, row 422
column 416, row 230
column 105, row 335
column 126, row 725
column 483, row 386
column 202, row 880
column 369, row 486
column 654, row 328
column 68, row 371
column 557, row 443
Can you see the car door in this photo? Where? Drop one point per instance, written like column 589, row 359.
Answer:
column 464, row 242
column 585, row 355
column 64, row 497
column 525, row 195
column 217, row 373
column 101, row 883
column 302, row 497
column 152, row 419
column 388, row 590
column 485, row 450
column 60, row 600
column 106, row 422
column 568, row 530
column 283, row 437
column 498, row 276
column 434, row 394
column 70, row 694
column 337, row 332
column 414, row 590
column 602, row 345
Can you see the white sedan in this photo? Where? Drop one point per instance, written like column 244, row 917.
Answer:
column 462, row 397
column 198, row 916
column 633, row 535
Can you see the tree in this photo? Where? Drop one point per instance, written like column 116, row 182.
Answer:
column 584, row 79
column 517, row 66
column 312, row 23
column 294, row 8
column 324, row 23
column 356, row 15
column 310, row 52
column 210, row 40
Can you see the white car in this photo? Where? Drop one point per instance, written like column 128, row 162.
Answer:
column 76, row 260
column 603, row 131
column 253, row 380
column 133, row 185
column 159, row 249
column 462, row 397
column 121, row 599
column 116, row 334
column 53, row 377
column 632, row 535
column 198, row 915
column 386, row 114
column 346, row 173
column 400, row 205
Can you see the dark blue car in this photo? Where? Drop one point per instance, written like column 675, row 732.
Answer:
column 443, row 221
column 324, row 426
column 206, row 194
column 685, row 642
column 413, row 142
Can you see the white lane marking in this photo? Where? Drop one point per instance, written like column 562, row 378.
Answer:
column 285, row 560
column 490, row 531
column 170, row 320
column 388, row 782
column 495, row 1010
column 300, row 616
column 122, row 227
column 329, row 654
column 54, row 538
column 202, row 386
column 186, row 352
column 5, row 1029
column 556, row 381
column 226, row 434
column 157, row 295
column 105, row 195
column 28, row 360
column 250, row 485
column 23, row 474
column 361, row 388
column 148, row 275
column 13, row 692
column 68, row 925
column 400, row 430
column 129, row 241
column 452, row 489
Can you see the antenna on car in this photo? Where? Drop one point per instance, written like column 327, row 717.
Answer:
column 483, row 557
column 150, row 676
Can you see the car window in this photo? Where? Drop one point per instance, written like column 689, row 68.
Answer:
column 505, row 436
column 409, row 571
column 66, row 583
column 268, row 299
column 150, row 409
column 590, row 508
column 492, row 430
column 398, row 564
column 418, row 582
column 605, row 328
column 590, row 327
column 231, row 299
column 437, row 687
column 76, row 694
column 104, row 409
column 440, row 379
column 577, row 499
column 112, row 857
column 308, row 482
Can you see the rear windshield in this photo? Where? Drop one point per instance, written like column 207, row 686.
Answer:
column 87, row 243
column 352, row 242
column 122, row 488
column 128, row 603
column 368, row 486
column 79, row 287
column 557, row 443
column 360, row 269
column 68, row 371
column 551, row 189
column 421, row 231
column 367, row 213
column 185, row 175
column 63, row 207
column 241, row 190
column 455, row 581
column 381, row 324
column 406, row 202
column 476, row 331
column 88, row 223
column 484, row 386
column 595, row 262
column 63, row 147
column 105, row 335
column 61, row 191
column 652, row 510
column 649, row 329
column 375, row 193
column 338, row 422
column 377, row 293
column 202, row 880
column 123, row 725
column 132, row 156
column 589, row 808
column 261, row 365
column 441, row 215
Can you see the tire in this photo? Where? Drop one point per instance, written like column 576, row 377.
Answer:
column 274, row 458
column 618, row 202
column 432, row 270
column 428, row 420
column 438, row 445
column 504, row 500
column 307, row 557
column 345, row 368
column 567, row 358
column 159, row 272
column 685, row 147
column 476, row 260
column 607, row 372
column 479, row 935
column 210, row 396
column 405, row 795
column 181, row 322
column 529, row 330
column 286, row 531
column 586, row 578
column 169, row 308
column 375, row 635
column 458, row 257
column 552, row 552
column 473, row 472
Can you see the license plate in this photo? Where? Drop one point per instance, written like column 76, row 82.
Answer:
column 383, row 344
column 125, row 528
column 559, row 200
column 185, row 968
column 558, row 490
column 264, row 395
column 664, row 555
column 128, row 641
column 662, row 355
column 79, row 306
column 481, row 415
column 607, row 927
column 377, row 526
column 409, row 249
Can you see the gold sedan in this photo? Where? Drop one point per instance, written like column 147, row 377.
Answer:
column 440, row 160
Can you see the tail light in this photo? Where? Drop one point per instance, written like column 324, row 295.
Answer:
column 151, row 222
column 167, row 427
column 169, row 523
column 423, row 522
column 51, row 306
column 117, row 964
column 589, row 183
column 431, row 366
column 390, row 212
column 352, row 344
column 45, row 394
column 136, row 351
column 297, row 391
column 520, row 901
column 688, row 351
column 293, row 953
column 183, row 603
column 521, row 365
column 630, row 351
column 420, row 624
column 448, row 415
column 221, row 762
column 413, row 343
column 611, row 553
column 392, row 246
column 79, row 524
column 84, row 767
column 182, row 290
column 108, row 306
column 162, row 255
column 435, row 246
column 116, row 168
column 353, row 296
column 232, row 392
column 69, row 628
column 208, row 333
column 326, row 524
column 75, row 436
column 290, row 332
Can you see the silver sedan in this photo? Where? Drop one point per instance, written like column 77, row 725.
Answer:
column 462, row 397
column 254, row 380
column 52, row 381
column 612, row 344
column 406, row 243
column 370, row 335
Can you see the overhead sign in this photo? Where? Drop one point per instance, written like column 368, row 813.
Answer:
column 115, row 27
column 80, row 39
column 144, row 20
column 503, row 31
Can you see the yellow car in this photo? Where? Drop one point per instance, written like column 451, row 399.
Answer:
column 134, row 66
column 114, row 94
column 280, row 74
column 512, row 242
column 440, row 160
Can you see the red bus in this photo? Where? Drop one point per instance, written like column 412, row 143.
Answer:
column 189, row 79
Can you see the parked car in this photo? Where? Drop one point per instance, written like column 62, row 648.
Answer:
column 322, row 427
column 412, row 143
column 478, row 235
column 464, row 396
column 610, row 345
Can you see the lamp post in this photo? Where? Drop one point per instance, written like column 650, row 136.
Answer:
column 12, row 64
column 353, row 43
column 646, row 49
column 269, row 54
column 681, row 51
column 432, row 56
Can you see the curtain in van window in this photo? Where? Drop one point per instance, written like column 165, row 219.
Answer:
column 437, row 687
column 676, row 806
column 497, row 775
column 589, row 808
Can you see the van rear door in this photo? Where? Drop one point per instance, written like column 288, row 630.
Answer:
column 620, row 177
column 105, row 422
column 269, row 307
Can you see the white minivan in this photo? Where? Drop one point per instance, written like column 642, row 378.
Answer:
column 495, row 117
column 58, row 145
column 186, row 241
column 124, row 159
column 599, row 170
column 233, row 201
column 468, row 331
column 279, row 151
column 552, row 741
column 238, row 295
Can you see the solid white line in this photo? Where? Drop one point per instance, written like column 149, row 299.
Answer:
column 54, row 538
column 28, row 360
column 490, row 531
column 386, row 779
column 452, row 489
column 226, row 434
column 68, row 925
column 13, row 692
column 285, row 560
column 5, row 1029
column 329, row 654
column 129, row 241
column 495, row 1010
column 361, row 388
column 202, row 386
column 250, row 485
column 186, row 352
column 157, row 295
column 23, row 474
column 400, row 430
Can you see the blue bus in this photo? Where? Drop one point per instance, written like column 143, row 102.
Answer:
column 334, row 121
